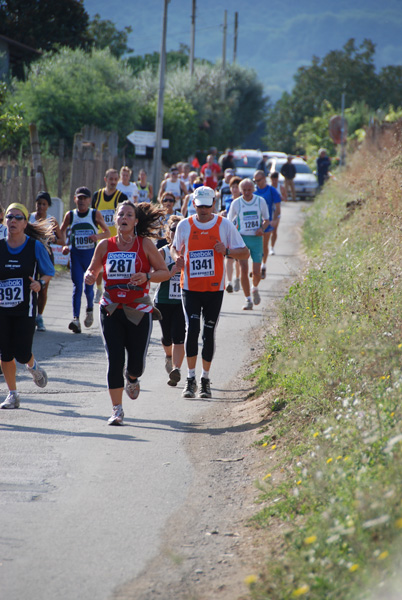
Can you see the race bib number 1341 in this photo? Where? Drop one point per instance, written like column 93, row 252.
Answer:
column 202, row 263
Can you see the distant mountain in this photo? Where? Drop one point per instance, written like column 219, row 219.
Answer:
column 275, row 37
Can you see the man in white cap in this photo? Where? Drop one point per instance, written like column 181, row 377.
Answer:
column 200, row 245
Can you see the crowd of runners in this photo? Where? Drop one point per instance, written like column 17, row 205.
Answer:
column 194, row 240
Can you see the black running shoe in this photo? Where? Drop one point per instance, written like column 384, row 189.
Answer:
column 205, row 391
column 190, row 389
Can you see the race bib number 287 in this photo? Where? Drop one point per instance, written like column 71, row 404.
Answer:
column 120, row 265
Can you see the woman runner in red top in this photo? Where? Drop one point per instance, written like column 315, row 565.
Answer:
column 126, row 308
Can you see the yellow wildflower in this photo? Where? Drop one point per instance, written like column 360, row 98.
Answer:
column 264, row 444
column 329, row 461
column 298, row 482
column 398, row 523
column 316, row 434
column 311, row 539
column 267, row 476
column 383, row 555
column 250, row 579
column 273, row 447
column 353, row 568
column 304, row 589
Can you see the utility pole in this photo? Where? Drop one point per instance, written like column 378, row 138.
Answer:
column 225, row 27
column 343, row 140
column 159, row 112
column 192, row 48
column 236, row 27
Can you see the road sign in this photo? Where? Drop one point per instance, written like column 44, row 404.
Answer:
column 140, row 150
column 145, row 138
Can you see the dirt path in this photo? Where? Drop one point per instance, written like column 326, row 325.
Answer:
column 208, row 548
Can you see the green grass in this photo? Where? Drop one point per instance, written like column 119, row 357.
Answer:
column 331, row 499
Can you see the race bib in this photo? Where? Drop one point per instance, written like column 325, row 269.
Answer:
column 174, row 287
column 251, row 221
column 81, row 239
column 11, row 293
column 108, row 217
column 120, row 265
column 202, row 263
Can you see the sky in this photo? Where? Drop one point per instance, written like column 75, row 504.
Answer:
column 274, row 37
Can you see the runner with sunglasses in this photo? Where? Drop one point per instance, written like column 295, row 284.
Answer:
column 199, row 247
column 167, row 201
column 25, row 268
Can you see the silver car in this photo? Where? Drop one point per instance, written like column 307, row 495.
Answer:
column 306, row 184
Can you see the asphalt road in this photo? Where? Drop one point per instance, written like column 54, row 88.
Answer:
column 83, row 504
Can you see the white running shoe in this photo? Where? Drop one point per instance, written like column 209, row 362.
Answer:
column 132, row 388
column 75, row 325
column 271, row 252
column 12, row 401
column 256, row 296
column 98, row 295
column 248, row 305
column 117, row 415
column 168, row 364
column 39, row 376
column 236, row 286
column 89, row 318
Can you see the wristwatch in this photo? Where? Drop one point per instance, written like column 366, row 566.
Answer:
column 148, row 275
column 42, row 283
column 227, row 253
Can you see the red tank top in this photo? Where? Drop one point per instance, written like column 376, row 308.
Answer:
column 118, row 266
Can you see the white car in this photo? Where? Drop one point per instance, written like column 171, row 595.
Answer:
column 246, row 162
column 306, row 184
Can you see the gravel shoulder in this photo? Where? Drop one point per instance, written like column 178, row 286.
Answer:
column 208, row 547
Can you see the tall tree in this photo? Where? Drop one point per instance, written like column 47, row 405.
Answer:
column 42, row 24
column 104, row 34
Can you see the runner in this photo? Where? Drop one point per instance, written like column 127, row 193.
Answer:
column 188, row 208
column 126, row 309
column 25, row 268
column 174, row 185
column 200, row 245
column 43, row 201
column 273, row 200
column 167, row 202
column 275, row 184
column 145, row 189
column 210, row 171
column 167, row 300
column 223, row 188
column 84, row 222
column 251, row 216
column 106, row 200
column 230, row 261
column 3, row 228
column 129, row 188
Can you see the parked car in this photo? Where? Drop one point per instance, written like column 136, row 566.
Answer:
column 246, row 162
column 306, row 184
column 273, row 153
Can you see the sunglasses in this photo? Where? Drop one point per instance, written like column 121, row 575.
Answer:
column 168, row 200
column 16, row 217
column 259, row 179
column 172, row 229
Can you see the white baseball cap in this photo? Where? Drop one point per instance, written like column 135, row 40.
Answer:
column 204, row 196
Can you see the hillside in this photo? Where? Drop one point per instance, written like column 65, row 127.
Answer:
column 274, row 38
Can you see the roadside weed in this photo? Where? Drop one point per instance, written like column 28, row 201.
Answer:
column 331, row 496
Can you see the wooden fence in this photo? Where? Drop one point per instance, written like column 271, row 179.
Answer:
column 19, row 184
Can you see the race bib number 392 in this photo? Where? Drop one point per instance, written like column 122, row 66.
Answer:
column 11, row 293
column 120, row 265
column 202, row 263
